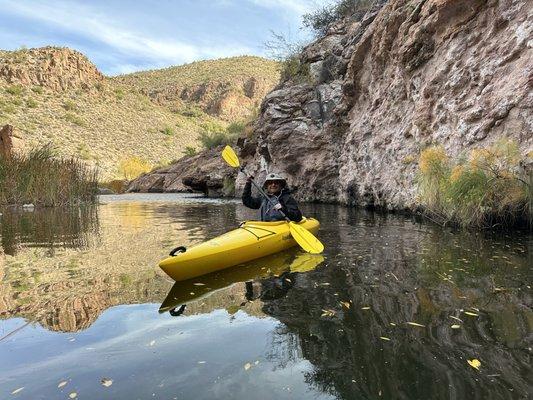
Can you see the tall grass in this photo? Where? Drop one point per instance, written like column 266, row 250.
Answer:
column 44, row 180
column 488, row 188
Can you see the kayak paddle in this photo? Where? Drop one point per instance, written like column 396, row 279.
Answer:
column 302, row 236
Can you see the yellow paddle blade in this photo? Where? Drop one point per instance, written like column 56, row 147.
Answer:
column 306, row 262
column 230, row 157
column 305, row 239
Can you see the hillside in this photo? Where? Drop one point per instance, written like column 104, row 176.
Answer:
column 229, row 88
column 56, row 95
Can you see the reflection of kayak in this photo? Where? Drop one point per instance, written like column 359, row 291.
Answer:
column 199, row 288
column 253, row 239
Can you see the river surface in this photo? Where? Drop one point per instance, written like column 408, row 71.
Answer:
column 394, row 309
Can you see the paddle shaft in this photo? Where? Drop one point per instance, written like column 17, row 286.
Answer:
column 263, row 193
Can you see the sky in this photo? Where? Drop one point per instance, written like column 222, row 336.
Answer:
column 122, row 36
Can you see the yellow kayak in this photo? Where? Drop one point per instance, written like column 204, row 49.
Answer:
column 253, row 239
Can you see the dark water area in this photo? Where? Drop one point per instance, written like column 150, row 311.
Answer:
column 394, row 308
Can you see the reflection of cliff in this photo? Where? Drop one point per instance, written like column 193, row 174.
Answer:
column 403, row 273
column 65, row 283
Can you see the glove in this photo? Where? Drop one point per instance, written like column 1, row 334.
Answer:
column 277, row 206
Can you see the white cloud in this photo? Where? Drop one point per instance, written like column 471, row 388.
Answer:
column 298, row 7
column 86, row 22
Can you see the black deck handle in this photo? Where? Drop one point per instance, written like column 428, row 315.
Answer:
column 179, row 249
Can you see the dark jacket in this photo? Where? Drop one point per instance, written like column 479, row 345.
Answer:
column 268, row 213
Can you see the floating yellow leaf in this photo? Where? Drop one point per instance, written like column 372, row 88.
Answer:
column 201, row 362
column 247, row 366
column 384, row 338
column 61, row 384
column 73, row 395
column 152, row 342
column 365, row 308
column 416, row 324
column 328, row 313
column 471, row 314
column 199, row 284
column 345, row 304
column 458, row 319
column 106, row 382
column 17, row 390
column 474, row 363
column 456, row 326
column 392, row 324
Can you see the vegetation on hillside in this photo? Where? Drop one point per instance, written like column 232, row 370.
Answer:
column 488, row 187
column 322, row 19
column 105, row 121
column 41, row 179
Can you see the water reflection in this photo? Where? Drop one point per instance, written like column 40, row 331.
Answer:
column 50, row 228
column 372, row 318
column 235, row 287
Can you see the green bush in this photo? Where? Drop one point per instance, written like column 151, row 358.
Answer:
column 490, row 187
column 37, row 89
column 320, row 20
column 236, row 128
column 119, row 93
column 74, row 119
column 15, row 90
column 31, row 103
column 70, row 105
column 210, row 140
column 191, row 111
column 167, row 131
column 41, row 179
column 293, row 69
column 189, row 151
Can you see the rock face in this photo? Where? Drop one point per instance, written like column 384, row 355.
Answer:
column 410, row 74
column 56, row 68
column 205, row 172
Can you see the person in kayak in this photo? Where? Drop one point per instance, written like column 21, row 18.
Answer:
column 279, row 198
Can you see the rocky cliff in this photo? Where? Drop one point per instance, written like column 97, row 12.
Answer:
column 412, row 73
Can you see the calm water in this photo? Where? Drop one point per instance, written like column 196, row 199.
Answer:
column 394, row 308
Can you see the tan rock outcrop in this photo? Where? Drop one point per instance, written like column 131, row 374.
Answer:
column 205, row 172
column 55, row 68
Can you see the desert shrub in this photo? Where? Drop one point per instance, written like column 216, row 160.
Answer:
column 84, row 152
column 191, row 111
column 119, row 93
column 295, row 70
column 70, row 105
column 37, row 89
column 167, row 131
column 320, row 20
column 287, row 51
column 15, row 90
column 211, row 140
column 74, row 119
column 486, row 188
column 31, row 103
column 189, row 151
column 236, row 128
column 40, row 178
column 130, row 168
